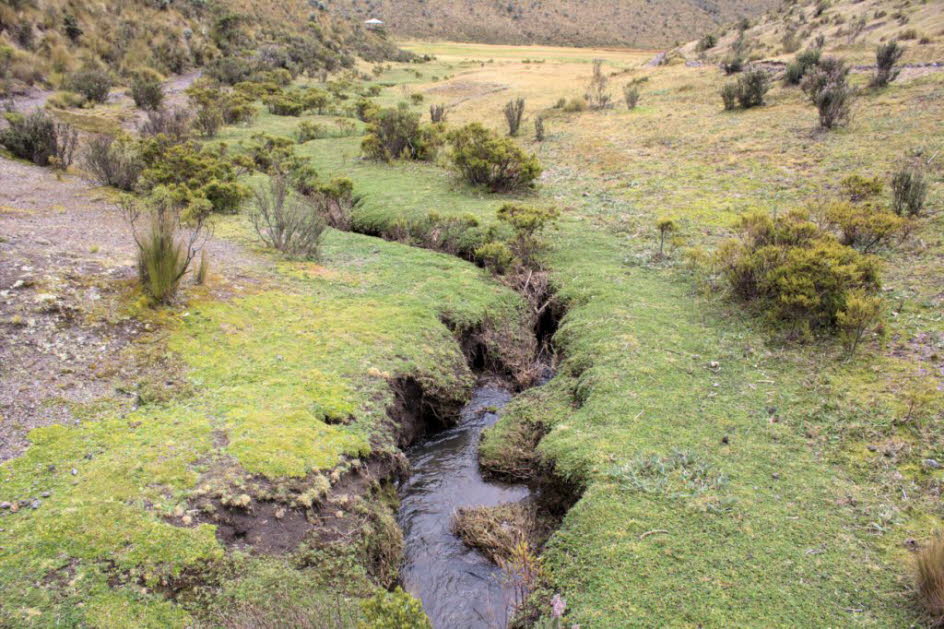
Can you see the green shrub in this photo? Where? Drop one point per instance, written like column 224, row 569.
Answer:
column 484, row 158
column 793, row 272
column 394, row 610
column 174, row 230
column 597, row 95
column 539, row 131
column 285, row 104
column 495, row 256
column 316, row 100
column 752, row 87
column 864, row 226
column 804, row 62
column 909, row 192
column 437, row 113
column 857, row 188
column 366, row 110
column 886, row 56
column 308, row 130
column 113, row 161
column 92, row 83
column 398, row 134
column 208, row 120
column 527, row 223
column 417, row 99
column 335, row 202
column 66, row 100
column 147, row 90
column 40, row 139
column 204, row 173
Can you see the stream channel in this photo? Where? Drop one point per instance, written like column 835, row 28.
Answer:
column 459, row 587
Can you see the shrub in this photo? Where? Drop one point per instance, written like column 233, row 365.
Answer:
column 575, row 105
column 417, row 99
column 284, row 104
column 597, row 95
column 631, row 95
column 729, row 94
column 172, row 124
column 828, row 89
column 539, row 132
column 909, row 191
column 394, row 610
column 514, row 114
column 308, row 130
column 147, row 90
column 863, row 226
column 285, row 220
column 804, row 62
column 174, row 231
column 366, row 110
column 92, row 83
column 113, row 161
column 495, row 256
column 483, row 158
column 886, row 56
column 316, row 100
column 437, row 113
column 752, row 87
column 208, row 121
column 861, row 312
column 857, row 188
column 794, row 272
column 335, row 201
column 733, row 64
column 707, row 42
column 398, row 134
column 203, row 173
column 665, row 226
column 40, row 139
column 527, row 224
column 929, row 578
column 71, row 27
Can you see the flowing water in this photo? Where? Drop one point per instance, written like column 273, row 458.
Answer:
column 460, row 588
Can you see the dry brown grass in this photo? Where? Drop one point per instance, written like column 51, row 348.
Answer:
column 497, row 531
column 929, row 579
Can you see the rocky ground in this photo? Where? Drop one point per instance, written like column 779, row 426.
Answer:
column 68, row 330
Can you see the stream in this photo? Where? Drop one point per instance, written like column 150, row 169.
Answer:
column 459, row 587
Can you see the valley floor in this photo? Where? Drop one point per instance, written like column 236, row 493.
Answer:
column 728, row 478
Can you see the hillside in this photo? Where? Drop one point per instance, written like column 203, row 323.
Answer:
column 634, row 23
column 847, row 28
column 44, row 40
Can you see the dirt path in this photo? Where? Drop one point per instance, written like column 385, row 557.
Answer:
column 66, row 276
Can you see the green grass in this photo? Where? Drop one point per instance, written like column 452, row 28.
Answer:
column 268, row 370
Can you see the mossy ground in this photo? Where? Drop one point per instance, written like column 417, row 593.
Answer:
column 730, row 479
column 285, row 382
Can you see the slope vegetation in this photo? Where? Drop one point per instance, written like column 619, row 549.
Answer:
column 635, row 23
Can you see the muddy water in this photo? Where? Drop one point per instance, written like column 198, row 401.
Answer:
column 459, row 587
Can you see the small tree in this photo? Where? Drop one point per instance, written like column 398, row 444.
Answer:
column 528, row 223
column 665, row 226
column 286, row 221
column 514, row 114
column 886, row 56
column 597, row 95
column 909, row 191
column 169, row 228
column 113, row 161
column 862, row 312
column 707, row 42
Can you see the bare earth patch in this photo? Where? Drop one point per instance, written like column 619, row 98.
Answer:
column 66, row 281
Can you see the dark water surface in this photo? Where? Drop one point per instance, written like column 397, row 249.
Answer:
column 459, row 587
